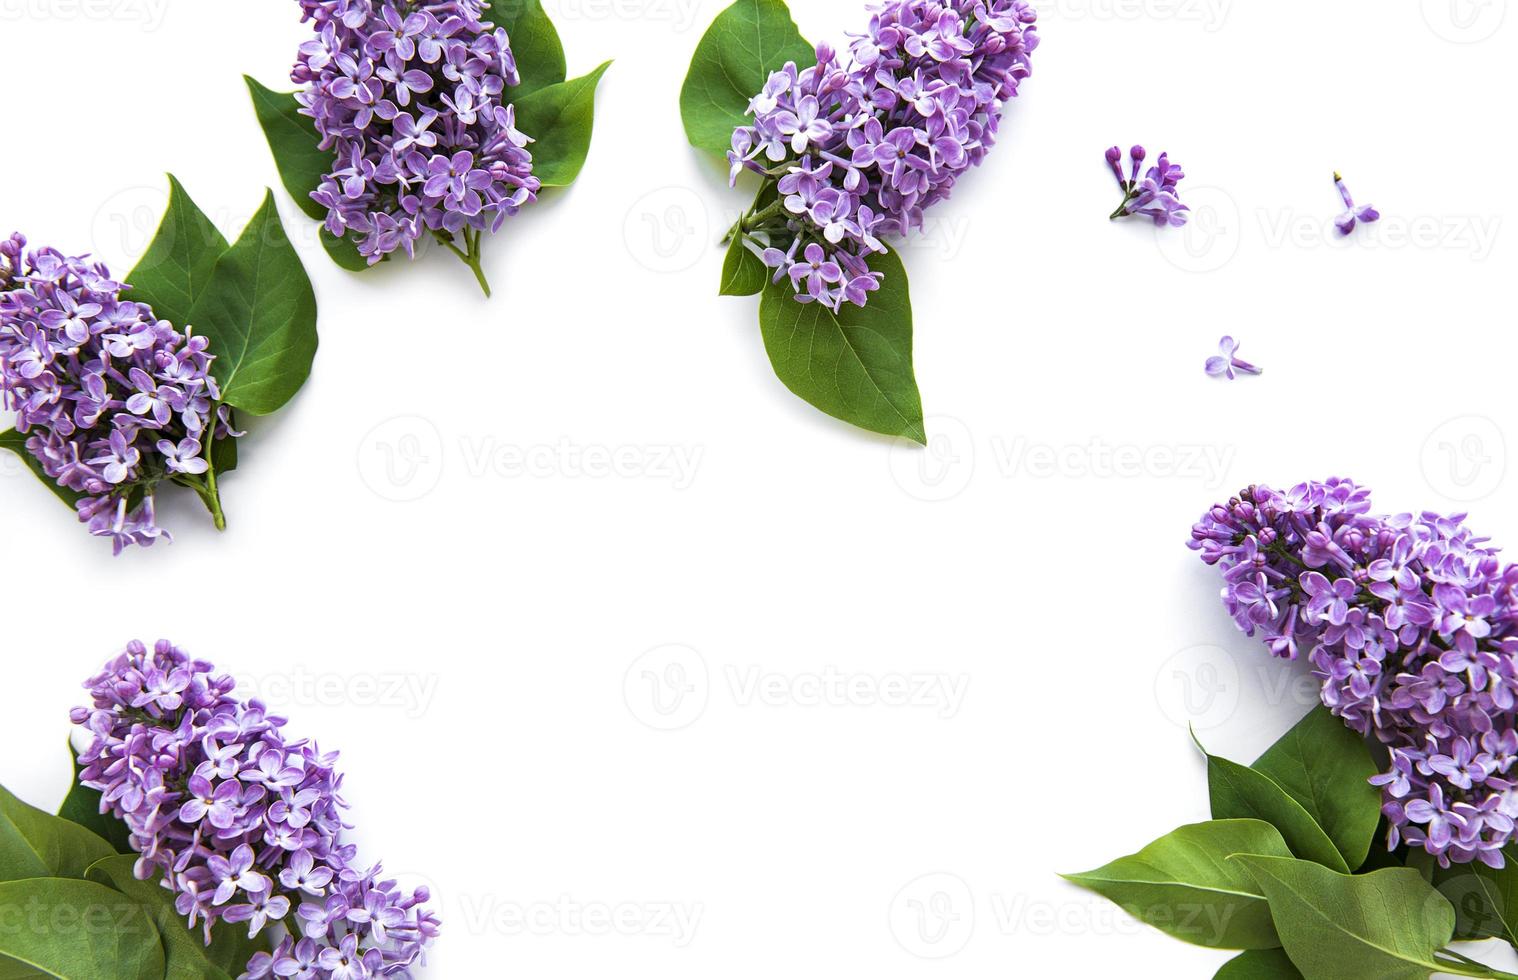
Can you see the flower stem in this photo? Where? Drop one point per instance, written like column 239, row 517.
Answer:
column 1464, row 966
column 469, row 254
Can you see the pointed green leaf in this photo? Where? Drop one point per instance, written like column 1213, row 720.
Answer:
column 187, row 954
column 1326, row 767
column 1485, row 899
column 1259, row 964
column 855, row 365
column 534, row 44
column 15, row 442
column 1184, row 884
column 1239, row 791
column 77, row 930
column 260, row 316
column 36, row 844
column 743, row 273
column 176, row 269
column 747, row 41
column 301, row 162
column 1386, row 925
column 560, row 118
column 82, row 806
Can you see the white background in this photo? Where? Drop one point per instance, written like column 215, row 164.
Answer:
column 473, row 631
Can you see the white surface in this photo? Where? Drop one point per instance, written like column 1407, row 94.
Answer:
column 1050, row 589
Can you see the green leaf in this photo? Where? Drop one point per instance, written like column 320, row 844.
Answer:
column 1259, row 964
column 77, row 930
column 559, row 118
column 82, row 806
column 1386, row 925
column 1184, row 884
column 855, row 365
column 301, row 162
column 260, row 316
column 746, row 42
column 16, row 442
column 534, row 44
column 176, row 268
column 1240, row 791
column 1485, row 899
column 187, row 954
column 1326, row 767
column 743, row 273
column 36, row 844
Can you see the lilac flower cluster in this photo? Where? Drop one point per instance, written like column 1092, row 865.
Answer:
column 241, row 822
column 112, row 399
column 862, row 146
column 1156, row 196
column 1411, row 625
column 410, row 98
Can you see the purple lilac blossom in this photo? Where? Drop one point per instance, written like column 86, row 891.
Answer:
column 1156, row 196
column 1228, row 364
column 1352, row 215
column 1411, row 626
column 861, row 145
column 112, row 399
column 410, row 100
column 241, row 822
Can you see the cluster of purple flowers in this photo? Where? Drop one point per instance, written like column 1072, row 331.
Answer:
column 861, row 147
column 242, row 823
column 1411, row 625
column 409, row 97
column 1157, row 195
column 112, row 399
